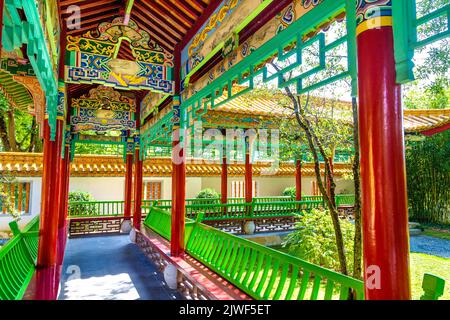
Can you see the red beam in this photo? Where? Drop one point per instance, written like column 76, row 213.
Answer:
column 434, row 131
column 383, row 175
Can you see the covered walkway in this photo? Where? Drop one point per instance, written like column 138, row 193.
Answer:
column 110, row 268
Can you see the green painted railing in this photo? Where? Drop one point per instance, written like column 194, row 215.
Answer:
column 265, row 273
column 213, row 208
column 80, row 209
column 160, row 221
column 95, row 209
column 17, row 260
column 261, row 272
column 345, row 200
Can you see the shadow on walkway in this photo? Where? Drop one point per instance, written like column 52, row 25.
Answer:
column 110, row 268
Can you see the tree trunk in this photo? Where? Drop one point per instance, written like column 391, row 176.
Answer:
column 12, row 131
column 33, row 136
column 4, row 133
column 357, row 246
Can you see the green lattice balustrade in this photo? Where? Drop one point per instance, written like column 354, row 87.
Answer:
column 92, row 209
column 17, row 260
column 289, row 46
column 159, row 221
column 345, row 200
column 407, row 25
column 264, row 273
column 22, row 25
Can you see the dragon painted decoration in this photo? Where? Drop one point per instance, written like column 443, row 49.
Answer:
column 104, row 109
column 93, row 59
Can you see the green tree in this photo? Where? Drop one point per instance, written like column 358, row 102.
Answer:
column 19, row 131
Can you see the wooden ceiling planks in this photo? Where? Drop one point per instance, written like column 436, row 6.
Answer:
column 170, row 23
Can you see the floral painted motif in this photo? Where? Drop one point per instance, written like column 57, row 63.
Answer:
column 370, row 9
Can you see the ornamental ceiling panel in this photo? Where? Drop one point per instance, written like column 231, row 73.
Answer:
column 93, row 58
column 103, row 109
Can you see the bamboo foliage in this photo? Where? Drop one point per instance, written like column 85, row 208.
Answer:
column 428, row 177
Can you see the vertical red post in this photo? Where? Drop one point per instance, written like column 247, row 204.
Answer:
column 46, row 285
column 248, row 176
column 62, row 220
column 128, row 186
column 383, row 174
column 178, row 187
column 298, row 180
column 138, row 179
column 224, row 180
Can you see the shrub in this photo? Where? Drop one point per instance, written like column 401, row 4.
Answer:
column 427, row 163
column 208, row 194
column 314, row 240
column 290, row 192
column 80, row 196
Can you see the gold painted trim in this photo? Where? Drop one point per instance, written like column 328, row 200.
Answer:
column 374, row 23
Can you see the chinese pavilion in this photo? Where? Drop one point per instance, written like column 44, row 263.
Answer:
column 139, row 74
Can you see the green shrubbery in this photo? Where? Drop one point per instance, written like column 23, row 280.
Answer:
column 290, row 192
column 314, row 240
column 208, row 194
column 427, row 167
column 80, row 196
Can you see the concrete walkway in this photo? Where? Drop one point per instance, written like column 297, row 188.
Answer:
column 430, row 245
column 110, row 268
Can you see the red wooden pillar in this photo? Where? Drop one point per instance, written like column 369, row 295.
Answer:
column 138, row 173
column 128, row 185
column 47, row 280
column 224, row 180
column 178, row 188
column 298, row 180
column 383, row 176
column 62, row 220
column 248, row 175
column 138, row 184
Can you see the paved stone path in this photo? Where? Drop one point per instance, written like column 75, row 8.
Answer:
column 430, row 245
column 110, row 268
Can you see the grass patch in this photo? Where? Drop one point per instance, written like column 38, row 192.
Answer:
column 421, row 264
column 437, row 234
column 424, row 263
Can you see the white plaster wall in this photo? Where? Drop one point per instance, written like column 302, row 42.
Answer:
column 101, row 188
column 112, row 188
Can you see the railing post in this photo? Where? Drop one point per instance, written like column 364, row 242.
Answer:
column 383, row 174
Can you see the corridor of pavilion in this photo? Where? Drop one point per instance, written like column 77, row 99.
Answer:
column 137, row 76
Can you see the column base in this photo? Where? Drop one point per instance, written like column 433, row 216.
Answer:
column 133, row 235
column 126, row 226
